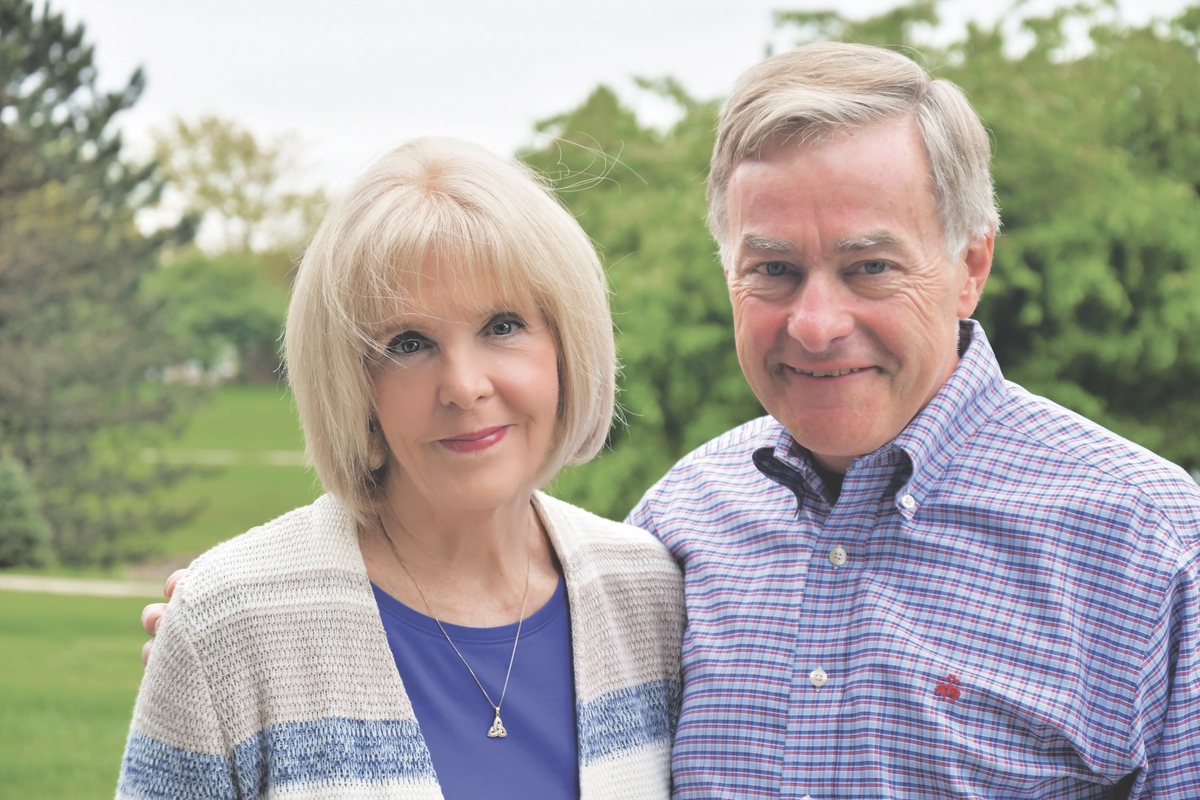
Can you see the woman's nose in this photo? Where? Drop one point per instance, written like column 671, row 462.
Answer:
column 465, row 379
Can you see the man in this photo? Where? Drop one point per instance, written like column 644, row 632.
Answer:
column 913, row 579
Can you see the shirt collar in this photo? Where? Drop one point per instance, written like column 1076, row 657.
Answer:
column 954, row 414
column 963, row 403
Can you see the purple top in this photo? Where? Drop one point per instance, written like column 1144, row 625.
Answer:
column 540, row 756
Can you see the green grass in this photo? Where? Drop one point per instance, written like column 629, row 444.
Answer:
column 236, row 497
column 70, row 666
column 232, row 498
column 245, row 418
column 68, row 678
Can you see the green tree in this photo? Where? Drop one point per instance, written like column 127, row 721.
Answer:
column 639, row 193
column 230, row 295
column 24, row 534
column 241, row 186
column 77, row 336
column 224, row 304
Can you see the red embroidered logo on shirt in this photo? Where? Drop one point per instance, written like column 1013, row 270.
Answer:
column 948, row 689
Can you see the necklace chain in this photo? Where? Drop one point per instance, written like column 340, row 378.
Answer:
column 497, row 731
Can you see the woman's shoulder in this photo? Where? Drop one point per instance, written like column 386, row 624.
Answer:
column 576, row 531
column 317, row 539
column 585, row 523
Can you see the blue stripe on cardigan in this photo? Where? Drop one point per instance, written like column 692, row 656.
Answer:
column 367, row 751
column 627, row 719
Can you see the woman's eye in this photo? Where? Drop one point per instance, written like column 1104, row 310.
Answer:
column 505, row 326
column 405, row 344
column 874, row 267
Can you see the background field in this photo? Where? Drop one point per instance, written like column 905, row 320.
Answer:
column 248, row 426
column 70, row 667
column 68, row 678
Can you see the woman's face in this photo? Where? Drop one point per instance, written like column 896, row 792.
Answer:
column 467, row 395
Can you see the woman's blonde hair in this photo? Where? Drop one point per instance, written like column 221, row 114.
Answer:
column 479, row 221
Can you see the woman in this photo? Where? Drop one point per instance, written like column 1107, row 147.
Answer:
column 434, row 625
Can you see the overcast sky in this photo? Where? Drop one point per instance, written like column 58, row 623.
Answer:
column 353, row 77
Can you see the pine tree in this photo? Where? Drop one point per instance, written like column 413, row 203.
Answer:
column 78, row 339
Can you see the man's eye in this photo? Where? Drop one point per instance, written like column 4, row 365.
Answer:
column 874, row 267
column 774, row 268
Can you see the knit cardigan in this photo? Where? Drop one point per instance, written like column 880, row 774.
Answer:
column 272, row 675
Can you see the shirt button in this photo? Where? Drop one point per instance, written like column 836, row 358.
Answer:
column 837, row 556
column 908, row 502
column 818, row 678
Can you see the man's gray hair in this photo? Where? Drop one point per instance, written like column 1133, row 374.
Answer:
column 818, row 91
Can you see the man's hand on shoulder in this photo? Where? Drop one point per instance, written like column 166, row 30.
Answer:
column 153, row 613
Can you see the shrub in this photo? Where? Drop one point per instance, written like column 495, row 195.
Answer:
column 24, row 534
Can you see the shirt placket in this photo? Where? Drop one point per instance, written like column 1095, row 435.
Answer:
column 824, row 625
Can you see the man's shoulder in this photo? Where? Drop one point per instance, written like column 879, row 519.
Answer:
column 734, row 447
column 719, row 472
column 1042, row 441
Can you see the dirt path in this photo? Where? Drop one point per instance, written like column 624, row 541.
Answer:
column 80, row 586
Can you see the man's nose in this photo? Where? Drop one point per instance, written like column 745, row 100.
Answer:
column 820, row 314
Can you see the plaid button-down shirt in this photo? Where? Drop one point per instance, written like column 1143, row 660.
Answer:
column 1002, row 603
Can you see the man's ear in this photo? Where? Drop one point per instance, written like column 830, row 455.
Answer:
column 976, row 262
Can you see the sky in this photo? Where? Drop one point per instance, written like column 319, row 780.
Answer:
column 351, row 78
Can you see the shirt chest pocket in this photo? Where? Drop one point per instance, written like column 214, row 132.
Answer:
column 983, row 732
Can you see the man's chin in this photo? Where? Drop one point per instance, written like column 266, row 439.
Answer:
column 829, row 444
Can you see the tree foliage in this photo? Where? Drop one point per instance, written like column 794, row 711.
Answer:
column 224, row 304
column 639, row 193
column 77, row 335
column 24, row 534
column 230, row 294
column 239, row 185
column 1094, row 298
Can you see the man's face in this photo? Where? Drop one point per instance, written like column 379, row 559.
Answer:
column 845, row 306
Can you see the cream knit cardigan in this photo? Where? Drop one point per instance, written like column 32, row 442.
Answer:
column 272, row 675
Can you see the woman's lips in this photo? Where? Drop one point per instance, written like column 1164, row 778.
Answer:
column 475, row 441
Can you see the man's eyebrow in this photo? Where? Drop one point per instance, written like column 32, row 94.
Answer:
column 867, row 241
column 770, row 244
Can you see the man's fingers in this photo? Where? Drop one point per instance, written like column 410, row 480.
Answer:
column 172, row 581
column 151, row 616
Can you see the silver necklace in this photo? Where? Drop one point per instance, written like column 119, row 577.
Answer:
column 497, row 731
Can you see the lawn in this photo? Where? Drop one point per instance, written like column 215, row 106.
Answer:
column 246, row 422
column 68, row 678
column 70, row 666
column 246, row 418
